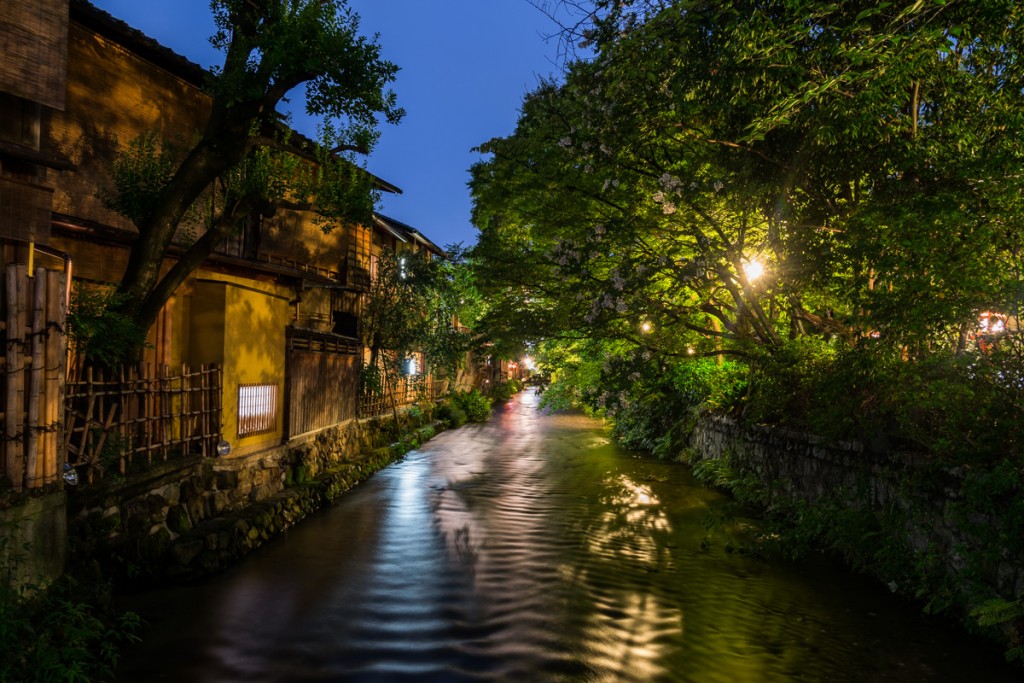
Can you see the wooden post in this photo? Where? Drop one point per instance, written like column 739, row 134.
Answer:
column 55, row 364
column 34, row 476
column 84, row 456
column 13, row 446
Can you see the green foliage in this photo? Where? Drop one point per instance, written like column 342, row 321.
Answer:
column 99, row 330
column 871, row 394
column 998, row 612
column 58, row 633
column 140, row 173
column 474, row 404
column 411, row 308
column 711, row 383
column 504, row 390
column 575, row 373
column 452, row 414
column 859, row 154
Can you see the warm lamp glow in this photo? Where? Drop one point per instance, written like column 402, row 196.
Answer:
column 753, row 270
column 645, row 327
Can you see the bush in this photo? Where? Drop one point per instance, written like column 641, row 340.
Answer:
column 654, row 406
column 451, row 414
column 475, row 405
column 963, row 407
column 97, row 330
column 57, row 635
column 503, row 391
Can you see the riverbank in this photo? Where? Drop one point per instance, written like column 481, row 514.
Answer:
column 192, row 518
column 948, row 537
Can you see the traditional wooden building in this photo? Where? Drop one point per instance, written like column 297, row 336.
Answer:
column 275, row 312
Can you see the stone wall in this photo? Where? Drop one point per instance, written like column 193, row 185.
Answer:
column 930, row 507
column 33, row 539
column 194, row 516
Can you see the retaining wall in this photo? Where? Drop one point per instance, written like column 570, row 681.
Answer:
column 929, row 504
column 193, row 517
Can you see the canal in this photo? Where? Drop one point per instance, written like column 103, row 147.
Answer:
column 532, row 548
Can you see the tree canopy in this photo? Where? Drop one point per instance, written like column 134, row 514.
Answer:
column 861, row 158
column 246, row 161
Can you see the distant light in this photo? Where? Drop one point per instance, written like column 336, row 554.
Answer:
column 690, row 350
column 529, row 363
column 992, row 322
column 646, row 327
column 753, row 270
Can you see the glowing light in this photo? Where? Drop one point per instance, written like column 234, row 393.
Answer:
column 992, row 323
column 753, row 270
column 646, row 327
column 529, row 363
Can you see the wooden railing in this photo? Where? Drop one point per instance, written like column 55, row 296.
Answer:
column 408, row 391
column 138, row 416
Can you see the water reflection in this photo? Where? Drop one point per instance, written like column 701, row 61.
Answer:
column 533, row 549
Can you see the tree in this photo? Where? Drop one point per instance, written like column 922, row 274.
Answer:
column 863, row 153
column 412, row 307
column 245, row 161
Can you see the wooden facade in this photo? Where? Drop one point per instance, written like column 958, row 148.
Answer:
column 268, row 327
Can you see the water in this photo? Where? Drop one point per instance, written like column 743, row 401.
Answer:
column 533, row 549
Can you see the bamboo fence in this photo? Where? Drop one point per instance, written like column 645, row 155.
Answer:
column 408, row 390
column 34, row 315
column 140, row 415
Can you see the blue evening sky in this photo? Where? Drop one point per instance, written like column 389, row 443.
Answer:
column 465, row 66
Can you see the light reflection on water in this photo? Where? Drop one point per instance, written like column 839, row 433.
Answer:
column 533, row 549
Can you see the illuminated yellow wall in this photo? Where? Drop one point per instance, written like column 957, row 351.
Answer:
column 240, row 324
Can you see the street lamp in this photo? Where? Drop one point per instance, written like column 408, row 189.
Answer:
column 753, row 269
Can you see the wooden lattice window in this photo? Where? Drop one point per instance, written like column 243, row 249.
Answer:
column 257, row 408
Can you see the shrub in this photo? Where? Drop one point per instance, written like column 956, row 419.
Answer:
column 476, row 406
column 503, row 391
column 963, row 407
column 451, row 414
column 97, row 330
column 61, row 633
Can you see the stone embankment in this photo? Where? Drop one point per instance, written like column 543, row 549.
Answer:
column 950, row 534
column 190, row 518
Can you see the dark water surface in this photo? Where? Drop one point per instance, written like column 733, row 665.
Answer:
column 533, row 549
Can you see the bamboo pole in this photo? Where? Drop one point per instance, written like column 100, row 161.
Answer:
column 84, row 456
column 33, row 465
column 204, row 419
column 107, row 426
column 56, row 358
column 13, row 453
column 182, row 413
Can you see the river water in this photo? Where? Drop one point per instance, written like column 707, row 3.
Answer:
column 532, row 548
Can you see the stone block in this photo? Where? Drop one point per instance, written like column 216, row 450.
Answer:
column 178, row 519
column 226, row 479
column 171, row 493
column 185, row 552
